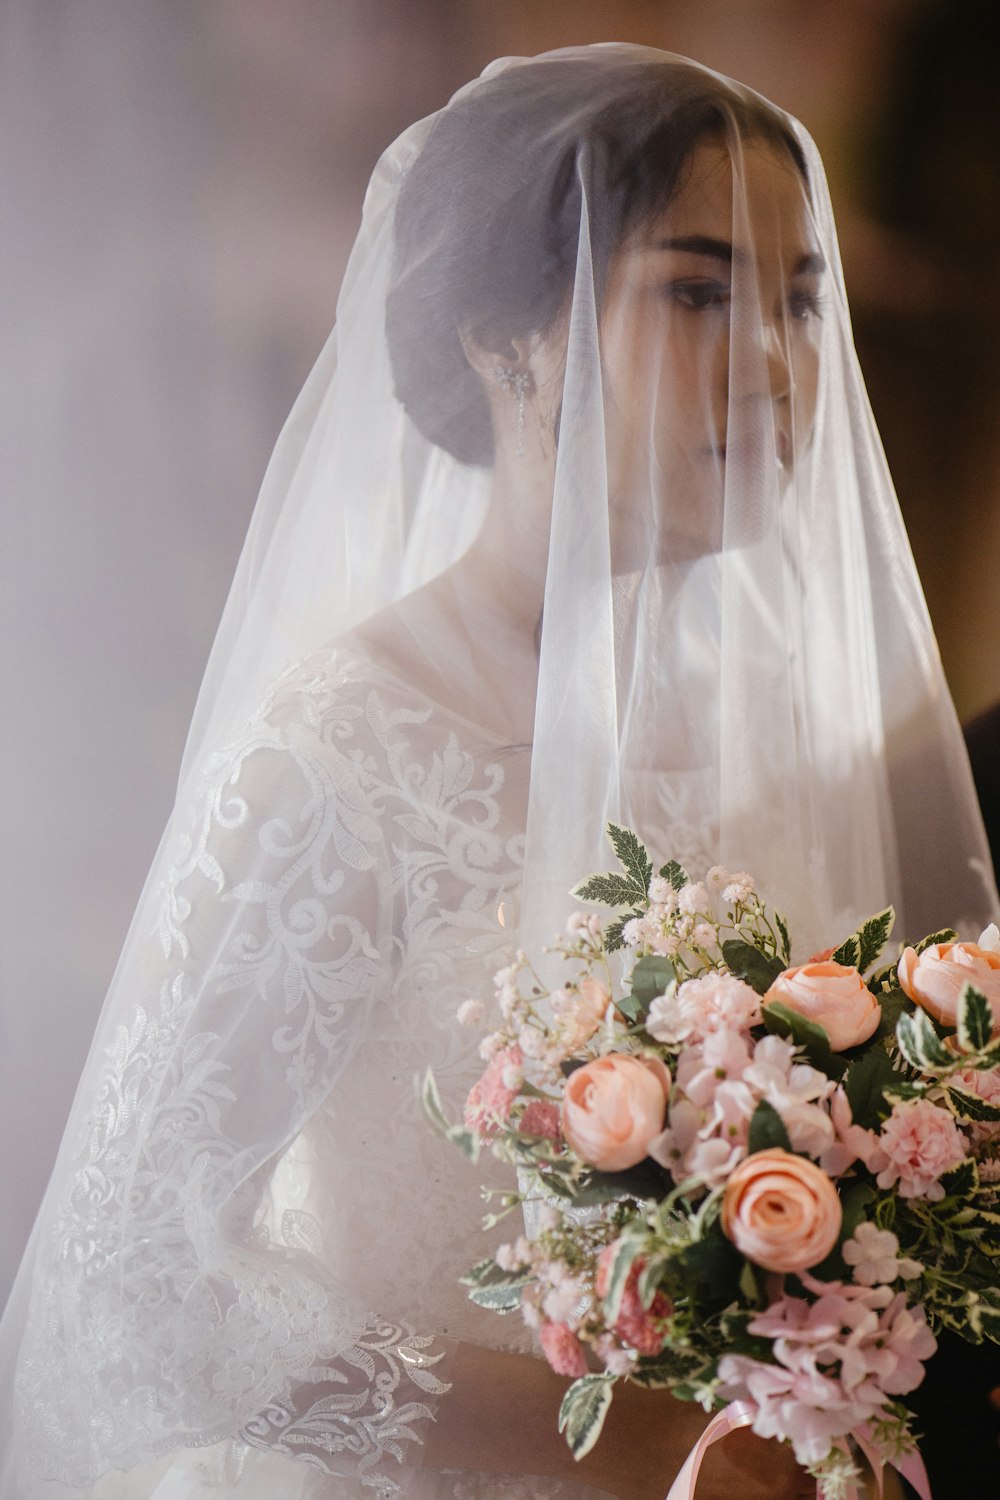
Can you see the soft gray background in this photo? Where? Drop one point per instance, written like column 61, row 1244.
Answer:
column 181, row 181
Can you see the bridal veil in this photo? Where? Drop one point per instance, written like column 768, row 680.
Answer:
column 581, row 515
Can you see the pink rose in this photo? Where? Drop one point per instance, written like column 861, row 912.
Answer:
column 781, row 1211
column 936, row 978
column 834, row 996
column 613, row 1108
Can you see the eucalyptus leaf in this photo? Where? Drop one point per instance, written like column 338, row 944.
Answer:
column 430, row 1099
column 781, row 1020
column 786, row 942
column 750, row 964
column 892, row 1003
column 652, row 976
column 865, row 1083
column 767, row 1130
column 624, row 1253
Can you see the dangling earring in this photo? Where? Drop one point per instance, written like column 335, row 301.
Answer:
column 518, row 382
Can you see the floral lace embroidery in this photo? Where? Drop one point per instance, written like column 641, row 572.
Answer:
column 180, row 1320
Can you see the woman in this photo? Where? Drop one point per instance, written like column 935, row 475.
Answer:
column 583, row 517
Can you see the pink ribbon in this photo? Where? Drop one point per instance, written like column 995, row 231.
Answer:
column 741, row 1414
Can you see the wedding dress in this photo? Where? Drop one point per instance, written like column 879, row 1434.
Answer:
column 614, row 541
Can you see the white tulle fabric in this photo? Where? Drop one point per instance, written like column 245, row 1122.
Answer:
column 243, row 1279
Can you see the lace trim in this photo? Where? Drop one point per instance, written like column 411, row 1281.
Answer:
column 366, row 1420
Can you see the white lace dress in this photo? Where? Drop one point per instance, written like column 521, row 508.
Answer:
column 349, row 878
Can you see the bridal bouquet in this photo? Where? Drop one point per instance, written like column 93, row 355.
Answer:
column 758, row 1185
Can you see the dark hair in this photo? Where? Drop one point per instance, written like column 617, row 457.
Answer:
column 487, row 221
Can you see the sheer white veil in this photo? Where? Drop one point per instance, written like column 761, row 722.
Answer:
column 588, row 461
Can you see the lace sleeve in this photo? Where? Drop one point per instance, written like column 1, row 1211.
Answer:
column 166, row 1314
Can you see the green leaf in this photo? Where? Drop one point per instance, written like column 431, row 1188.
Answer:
column 675, row 873
column 712, row 1266
column 626, row 1249
column 848, row 953
column 505, row 1298
column 614, row 932
column 781, row 1020
column 892, row 1003
column 608, row 890
column 921, row 1045
column 660, row 1371
column 467, row 1141
column 747, row 962
column 652, row 976
column 975, row 1020
column 582, row 1413
column 767, row 1130
column 645, row 1182
column 854, row 1202
column 971, row 1106
column 946, row 935
column 431, row 1101
column 962, row 1180
column 865, row 1081
column 634, row 858
column 786, row 942
column 872, row 937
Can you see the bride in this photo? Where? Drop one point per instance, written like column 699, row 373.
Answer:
column 581, row 515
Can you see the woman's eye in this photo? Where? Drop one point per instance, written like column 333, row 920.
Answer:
column 699, row 295
column 803, row 306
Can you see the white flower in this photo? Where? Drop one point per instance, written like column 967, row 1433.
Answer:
column 512, row 1076
column 491, row 1045
column 594, row 925
column 507, row 1258
column 634, row 932
column 577, row 921
column 739, row 889
column 703, row 935
column 561, row 1303
column 693, row 898
column 531, row 1041
column 717, row 877
column 874, row 1254
column 659, row 889
column 470, row 1012
column 990, row 937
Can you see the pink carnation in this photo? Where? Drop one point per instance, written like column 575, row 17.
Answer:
column 563, row 1350
column 540, row 1117
column 491, row 1099
column 922, row 1143
column 636, row 1325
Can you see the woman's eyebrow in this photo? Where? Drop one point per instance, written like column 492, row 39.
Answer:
column 809, row 264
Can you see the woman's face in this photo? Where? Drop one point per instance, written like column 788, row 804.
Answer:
column 709, row 347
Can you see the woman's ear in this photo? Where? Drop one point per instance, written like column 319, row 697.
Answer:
column 485, row 354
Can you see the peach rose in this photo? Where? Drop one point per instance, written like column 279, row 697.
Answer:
column 936, row 978
column 834, row 996
column 781, row 1211
column 613, row 1108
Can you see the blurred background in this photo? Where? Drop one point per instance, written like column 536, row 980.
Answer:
column 181, row 183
